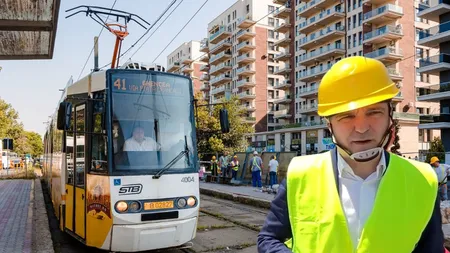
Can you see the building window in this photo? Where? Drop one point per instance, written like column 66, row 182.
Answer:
column 419, row 53
column 248, row 8
column 271, row 8
column 271, row 22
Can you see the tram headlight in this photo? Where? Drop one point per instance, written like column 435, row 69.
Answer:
column 135, row 206
column 191, row 201
column 121, row 206
column 181, row 202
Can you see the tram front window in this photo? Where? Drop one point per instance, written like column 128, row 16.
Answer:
column 149, row 128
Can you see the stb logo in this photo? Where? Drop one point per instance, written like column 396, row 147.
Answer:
column 130, row 189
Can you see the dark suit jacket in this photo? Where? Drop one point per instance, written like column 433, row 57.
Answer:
column 277, row 228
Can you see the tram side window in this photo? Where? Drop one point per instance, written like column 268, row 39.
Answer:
column 99, row 162
column 69, row 150
column 80, row 140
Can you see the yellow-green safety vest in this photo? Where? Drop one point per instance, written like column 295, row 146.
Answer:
column 235, row 166
column 403, row 207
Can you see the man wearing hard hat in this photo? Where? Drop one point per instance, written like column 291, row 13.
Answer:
column 357, row 197
column 442, row 171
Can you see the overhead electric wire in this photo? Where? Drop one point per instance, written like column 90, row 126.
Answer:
column 146, row 32
column 92, row 50
column 193, row 16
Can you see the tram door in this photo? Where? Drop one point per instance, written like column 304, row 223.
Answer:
column 75, row 187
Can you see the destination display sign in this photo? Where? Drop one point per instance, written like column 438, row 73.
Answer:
column 140, row 83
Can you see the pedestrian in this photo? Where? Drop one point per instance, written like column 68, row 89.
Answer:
column 442, row 171
column 327, row 202
column 256, row 168
column 224, row 161
column 214, row 166
column 234, row 167
column 273, row 169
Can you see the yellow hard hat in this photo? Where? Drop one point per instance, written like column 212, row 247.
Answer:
column 352, row 83
column 434, row 159
column 235, row 156
column 214, row 157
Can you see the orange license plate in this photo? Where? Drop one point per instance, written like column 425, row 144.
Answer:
column 158, row 205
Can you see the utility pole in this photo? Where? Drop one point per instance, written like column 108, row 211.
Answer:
column 96, row 53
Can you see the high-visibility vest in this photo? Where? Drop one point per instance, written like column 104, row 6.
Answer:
column 235, row 165
column 403, row 207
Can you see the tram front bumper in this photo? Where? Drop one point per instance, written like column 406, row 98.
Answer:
column 150, row 236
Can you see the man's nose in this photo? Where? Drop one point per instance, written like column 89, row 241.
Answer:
column 361, row 123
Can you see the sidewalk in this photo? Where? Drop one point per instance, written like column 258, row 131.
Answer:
column 241, row 194
column 19, row 220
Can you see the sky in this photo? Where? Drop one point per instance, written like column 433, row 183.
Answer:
column 32, row 86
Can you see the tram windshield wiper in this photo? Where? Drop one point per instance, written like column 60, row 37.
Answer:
column 169, row 165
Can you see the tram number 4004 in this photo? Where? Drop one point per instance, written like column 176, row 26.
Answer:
column 187, row 179
column 130, row 189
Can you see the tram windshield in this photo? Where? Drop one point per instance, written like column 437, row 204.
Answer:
column 152, row 122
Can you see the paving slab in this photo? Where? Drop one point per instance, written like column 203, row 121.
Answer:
column 16, row 212
column 251, row 249
column 235, row 192
column 218, row 239
column 42, row 239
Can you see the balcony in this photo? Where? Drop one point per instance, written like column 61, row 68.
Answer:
column 383, row 34
column 246, row 83
column 245, row 35
column 320, row 37
column 435, row 35
column 204, row 87
column 245, row 71
column 218, row 90
column 204, row 45
column 220, row 47
column 398, row 98
column 327, row 17
column 204, row 77
column 434, row 64
column 283, row 27
column 383, row 14
column 309, row 8
column 205, row 58
column 283, row 11
column 322, row 54
column 395, row 74
column 249, row 108
column 221, row 57
column 245, row 47
column 174, row 66
column 218, row 80
column 187, row 69
column 250, row 120
column 308, row 92
column 246, row 96
column 285, row 56
column 386, row 55
column 432, row 9
column 221, row 68
column 284, row 42
column 434, row 93
column 375, row 2
column 221, row 34
column 245, row 22
column 204, row 68
column 245, row 58
column 285, row 85
column 311, row 108
column 283, row 100
column 280, row 1
column 282, row 114
column 404, row 116
column 438, row 121
column 282, row 71
column 314, row 73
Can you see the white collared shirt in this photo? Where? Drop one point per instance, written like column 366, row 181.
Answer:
column 147, row 144
column 358, row 195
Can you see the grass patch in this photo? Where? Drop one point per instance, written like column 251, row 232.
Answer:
column 220, row 216
column 203, row 228
column 18, row 174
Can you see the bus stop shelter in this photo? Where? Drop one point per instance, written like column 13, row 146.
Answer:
column 28, row 29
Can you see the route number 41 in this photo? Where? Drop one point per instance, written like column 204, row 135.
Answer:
column 120, row 85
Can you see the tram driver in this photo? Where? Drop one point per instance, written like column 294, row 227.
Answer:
column 139, row 142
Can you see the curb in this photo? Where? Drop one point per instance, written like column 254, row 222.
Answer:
column 42, row 239
column 243, row 199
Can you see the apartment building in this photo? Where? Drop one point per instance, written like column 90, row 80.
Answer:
column 241, row 59
column 436, row 65
column 185, row 60
column 327, row 31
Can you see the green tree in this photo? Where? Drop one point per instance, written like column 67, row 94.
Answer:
column 396, row 145
column 34, row 141
column 209, row 136
column 436, row 149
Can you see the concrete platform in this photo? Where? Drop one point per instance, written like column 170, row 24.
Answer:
column 242, row 194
